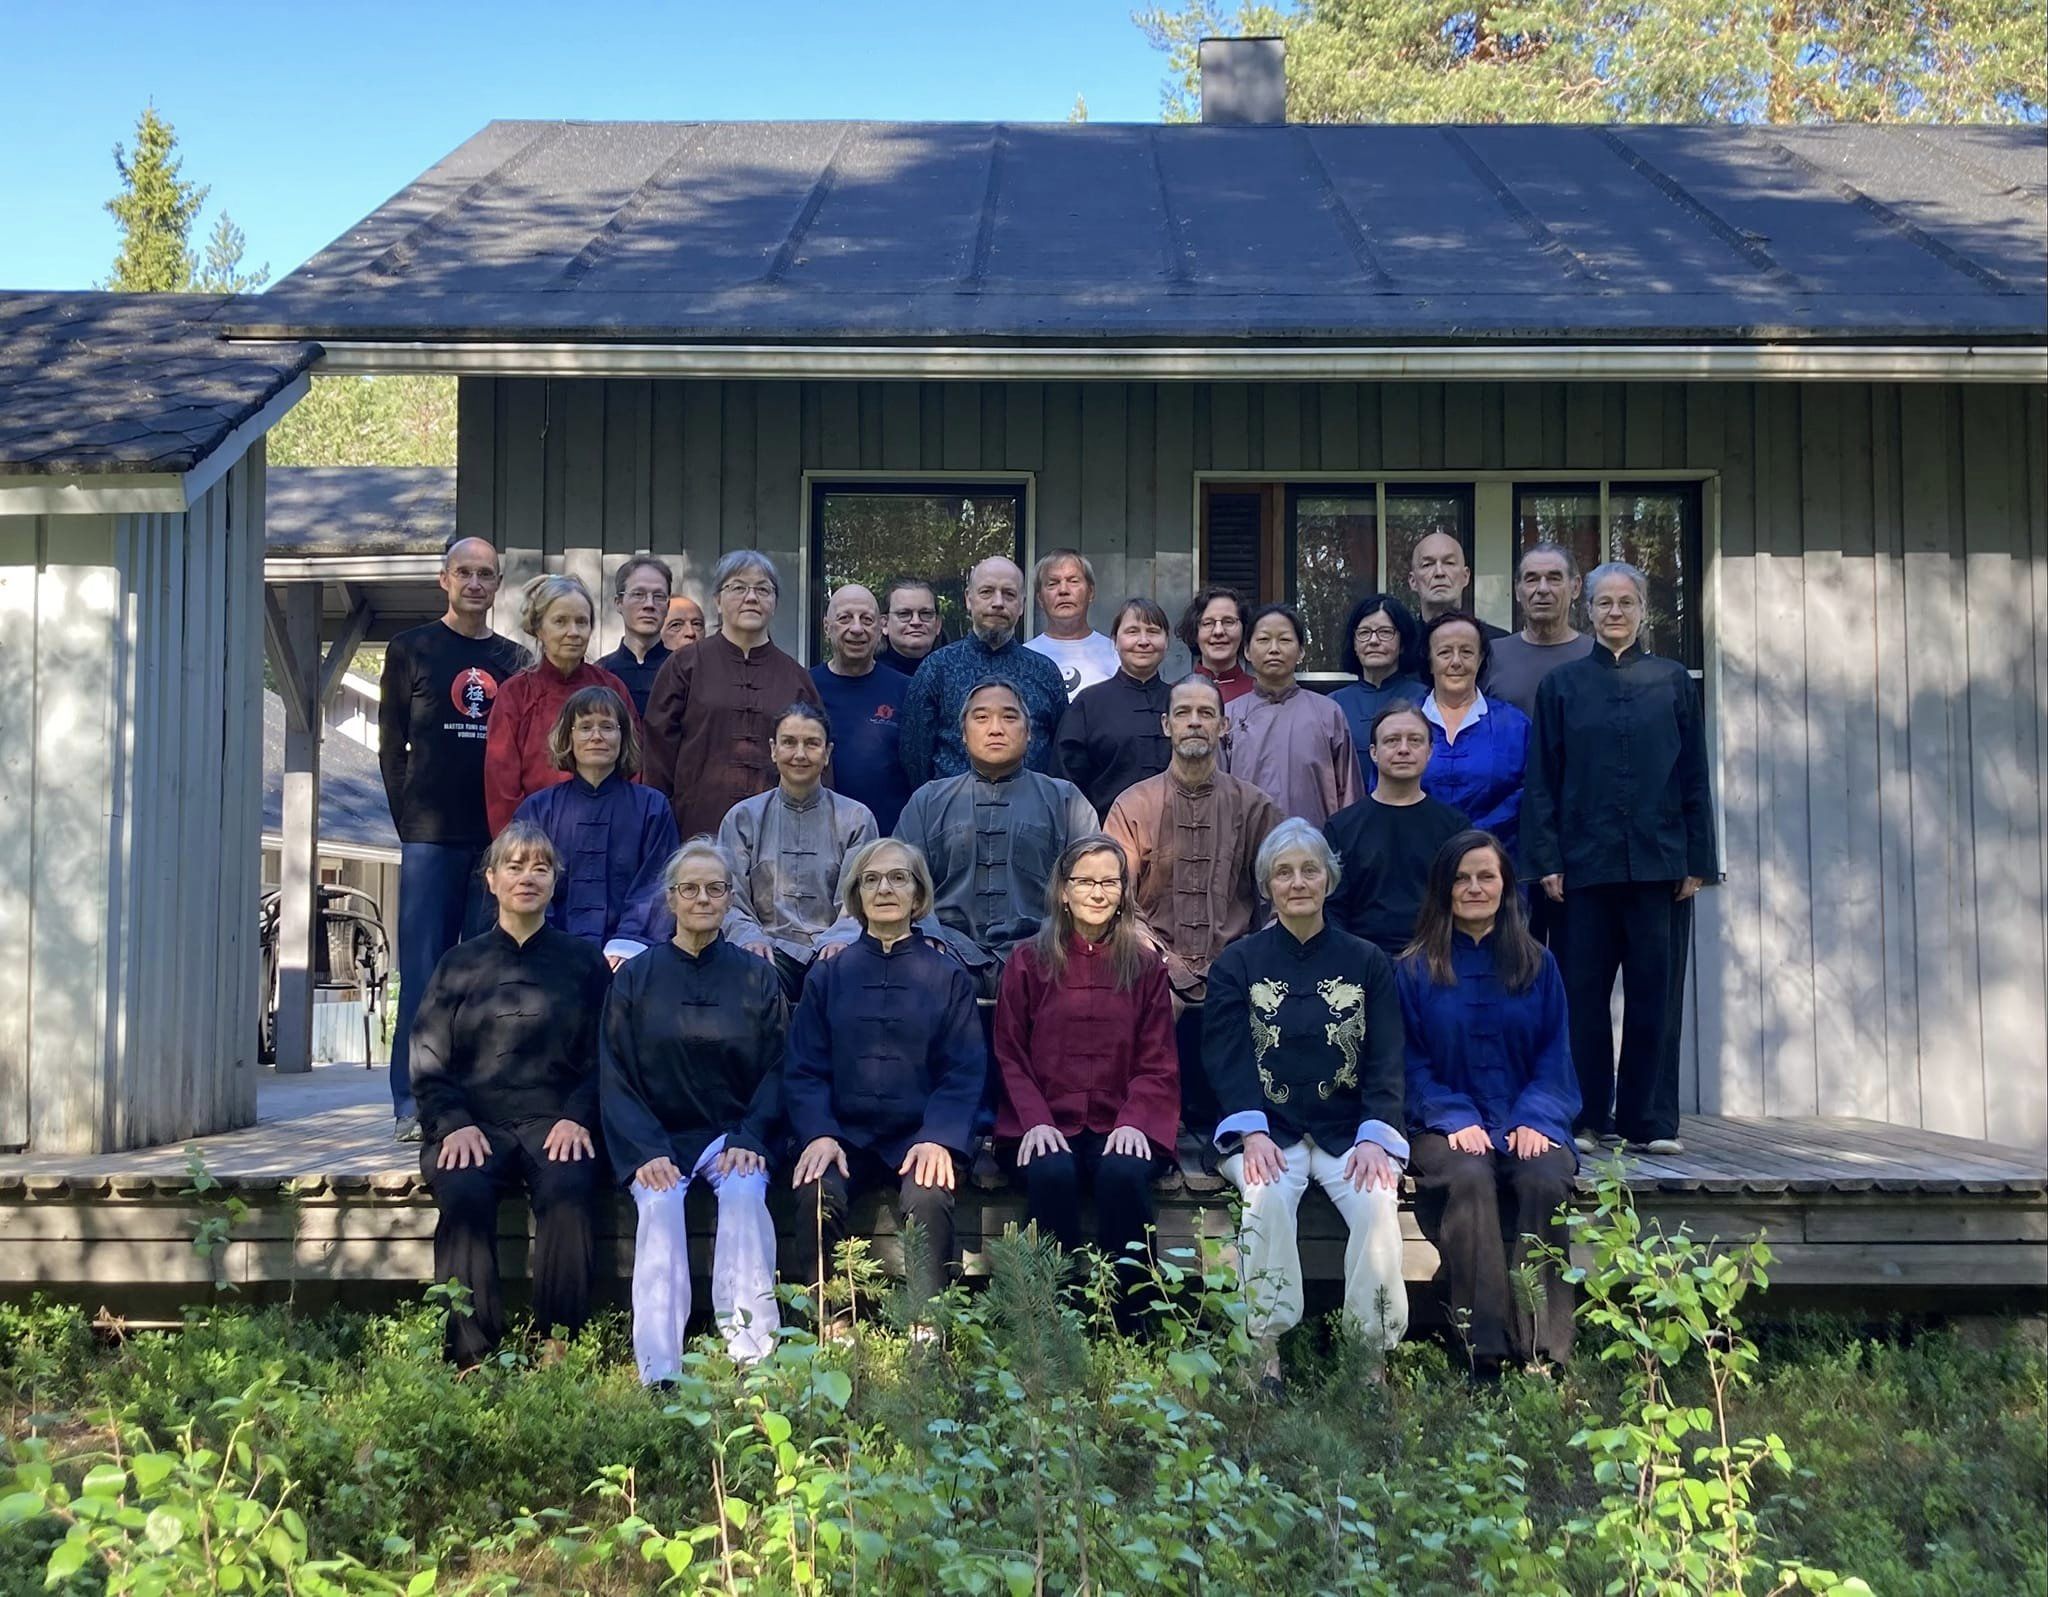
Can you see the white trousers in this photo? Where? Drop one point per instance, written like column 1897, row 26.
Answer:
column 742, row 1271
column 1269, row 1247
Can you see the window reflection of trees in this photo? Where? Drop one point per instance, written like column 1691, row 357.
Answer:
column 1411, row 517
column 1336, row 557
column 870, row 536
column 1653, row 527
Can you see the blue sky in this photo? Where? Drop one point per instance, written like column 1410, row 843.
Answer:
column 304, row 116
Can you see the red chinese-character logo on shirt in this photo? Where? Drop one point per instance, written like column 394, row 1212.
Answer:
column 473, row 692
column 884, row 712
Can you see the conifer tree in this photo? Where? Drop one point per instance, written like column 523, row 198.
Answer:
column 155, row 208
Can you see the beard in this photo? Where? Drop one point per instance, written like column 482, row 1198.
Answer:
column 994, row 633
column 1195, row 748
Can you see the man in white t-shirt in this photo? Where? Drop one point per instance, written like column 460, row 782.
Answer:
column 1065, row 582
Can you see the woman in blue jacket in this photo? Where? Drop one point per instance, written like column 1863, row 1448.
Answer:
column 1479, row 747
column 614, row 836
column 885, row 1066
column 1491, row 1096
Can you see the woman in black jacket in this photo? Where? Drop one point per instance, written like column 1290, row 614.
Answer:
column 1618, row 822
column 691, row 1058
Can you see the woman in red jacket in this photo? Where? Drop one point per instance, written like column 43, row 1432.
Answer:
column 558, row 614
column 1084, row 1043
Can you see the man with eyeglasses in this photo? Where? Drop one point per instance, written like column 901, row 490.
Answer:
column 711, row 716
column 1386, row 841
column 932, row 743
column 1191, row 835
column 910, row 625
column 640, row 593
column 993, row 834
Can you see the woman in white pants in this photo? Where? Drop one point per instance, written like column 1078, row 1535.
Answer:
column 690, row 1089
column 1302, row 1041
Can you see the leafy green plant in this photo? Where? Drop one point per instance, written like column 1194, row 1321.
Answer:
column 1676, row 1513
column 212, row 1233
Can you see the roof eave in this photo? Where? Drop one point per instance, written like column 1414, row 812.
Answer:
column 1804, row 361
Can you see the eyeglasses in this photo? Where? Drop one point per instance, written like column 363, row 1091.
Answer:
column 1376, row 634
column 913, row 615
column 645, row 595
column 897, row 879
column 749, row 590
column 692, row 891
column 1095, row 884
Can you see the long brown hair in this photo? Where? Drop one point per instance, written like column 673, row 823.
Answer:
column 1127, row 952
column 1517, row 957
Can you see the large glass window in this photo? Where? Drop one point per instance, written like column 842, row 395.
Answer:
column 872, row 532
column 1414, row 511
column 1334, row 554
column 1654, row 526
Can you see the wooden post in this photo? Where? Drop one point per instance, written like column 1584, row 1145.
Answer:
column 293, row 633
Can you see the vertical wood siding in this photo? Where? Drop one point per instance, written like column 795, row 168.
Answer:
column 131, row 717
column 1877, row 605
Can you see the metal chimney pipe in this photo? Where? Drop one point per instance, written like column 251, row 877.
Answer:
column 1244, row 82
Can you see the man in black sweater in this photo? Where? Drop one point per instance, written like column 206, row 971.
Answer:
column 434, row 708
column 1385, row 841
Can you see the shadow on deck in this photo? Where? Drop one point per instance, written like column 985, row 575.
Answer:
column 1883, row 1215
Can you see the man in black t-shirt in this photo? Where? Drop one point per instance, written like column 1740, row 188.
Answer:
column 434, row 707
column 640, row 593
column 1384, row 843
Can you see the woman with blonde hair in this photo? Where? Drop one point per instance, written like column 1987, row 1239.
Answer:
column 614, row 835
column 559, row 614
column 1084, row 1043
column 504, row 1064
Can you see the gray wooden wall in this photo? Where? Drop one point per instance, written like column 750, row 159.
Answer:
column 1877, row 626
column 131, row 753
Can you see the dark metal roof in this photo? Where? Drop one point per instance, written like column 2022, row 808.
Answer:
column 1004, row 233
column 353, row 809
column 95, row 383
column 313, row 511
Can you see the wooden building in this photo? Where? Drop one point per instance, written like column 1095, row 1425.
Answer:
column 1796, row 373
column 131, row 716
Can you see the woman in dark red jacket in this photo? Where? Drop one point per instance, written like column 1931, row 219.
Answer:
column 1084, row 1042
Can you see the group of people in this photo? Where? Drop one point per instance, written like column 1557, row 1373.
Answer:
column 694, row 913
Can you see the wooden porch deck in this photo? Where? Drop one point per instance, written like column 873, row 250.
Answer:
column 337, row 1208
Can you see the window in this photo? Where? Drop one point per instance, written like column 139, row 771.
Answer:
column 870, row 532
column 1653, row 526
column 1332, row 535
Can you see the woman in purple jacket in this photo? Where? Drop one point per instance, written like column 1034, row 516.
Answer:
column 614, row 835
column 1491, row 1095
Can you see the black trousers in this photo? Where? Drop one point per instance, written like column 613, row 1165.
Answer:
column 1546, row 918
column 1122, row 1186
column 792, row 972
column 563, row 1196
column 1483, row 1211
column 1198, row 1111
column 824, row 1204
column 1638, row 929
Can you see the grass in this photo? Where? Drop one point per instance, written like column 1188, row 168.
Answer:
column 994, row 1461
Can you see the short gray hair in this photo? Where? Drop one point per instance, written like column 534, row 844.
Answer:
column 863, row 857
column 981, row 687
column 540, row 596
column 1294, row 833
column 702, row 846
column 1549, row 547
column 1619, row 568
column 743, row 560
column 1059, row 557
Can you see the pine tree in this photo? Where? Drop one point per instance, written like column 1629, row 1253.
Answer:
column 1645, row 61
column 221, row 272
column 156, row 209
